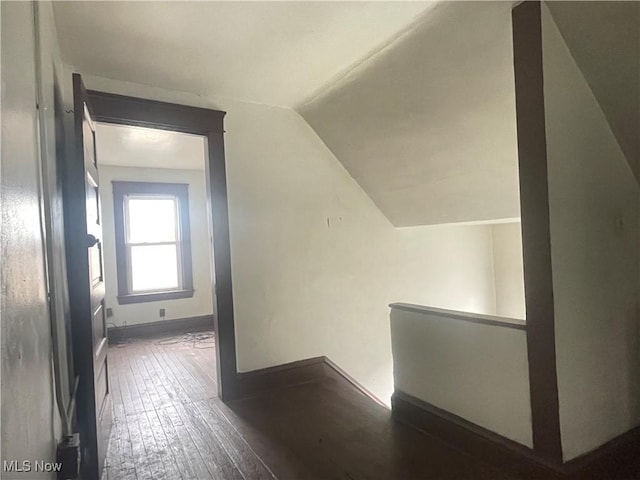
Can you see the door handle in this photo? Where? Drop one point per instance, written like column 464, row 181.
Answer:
column 91, row 240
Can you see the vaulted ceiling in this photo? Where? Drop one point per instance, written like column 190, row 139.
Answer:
column 416, row 99
column 428, row 126
column 604, row 39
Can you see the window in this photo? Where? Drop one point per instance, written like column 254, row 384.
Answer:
column 153, row 241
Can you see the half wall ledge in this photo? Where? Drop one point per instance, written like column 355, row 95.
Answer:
column 506, row 322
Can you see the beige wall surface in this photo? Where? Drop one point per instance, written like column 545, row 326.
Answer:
column 508, row 270
column 446, row 267
column 478, row 372
column 594, row 218
column 30, row 420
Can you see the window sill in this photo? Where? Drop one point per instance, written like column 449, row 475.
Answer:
column 154, row 296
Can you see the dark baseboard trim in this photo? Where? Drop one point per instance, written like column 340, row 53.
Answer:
column 163, row 327
column 469, row 437
column 333, row 370
column 617, row 459
column 285, row 375
column 294, row 373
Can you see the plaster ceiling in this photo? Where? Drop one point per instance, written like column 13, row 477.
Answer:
column 277, row 53
column 416, row 99
column 427, row 127
column 127, row 146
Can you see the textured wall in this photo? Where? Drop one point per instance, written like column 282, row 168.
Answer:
column 508, row 270
column 478, row 372
column 594, row 205
column 29, row 416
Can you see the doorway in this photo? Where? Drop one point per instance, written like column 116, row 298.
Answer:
column 158, row 288
column 129, row 111
column 158, row 259
column 89, row 315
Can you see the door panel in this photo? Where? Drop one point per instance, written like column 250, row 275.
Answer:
column 86, row 288
column 95, row 264
column 98, row 326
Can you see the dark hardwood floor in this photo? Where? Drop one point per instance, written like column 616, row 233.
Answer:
column 167, row 423
column 170, row 425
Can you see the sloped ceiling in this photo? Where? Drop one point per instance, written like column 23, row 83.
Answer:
column 604, row 39
column 416, row 99
column 427, row 127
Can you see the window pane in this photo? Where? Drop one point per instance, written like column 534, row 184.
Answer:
column 152, row 220
column 154, row 267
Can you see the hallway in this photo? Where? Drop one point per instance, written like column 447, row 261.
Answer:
column 168, row 424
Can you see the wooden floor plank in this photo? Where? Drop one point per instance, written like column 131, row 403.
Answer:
column 174, row 445
column 198, row 388
column 119, row 460
column 139, row 455
column 154, row 454
column 140, row 377
column 214, row 455
column 152, row 396
column 119, row 376
column 249, row 464
column 189, row 458
column 164, row 396
column 172, row 385
column 203, row 386
column 169, row 424
column 135, row 404
column 189, row 389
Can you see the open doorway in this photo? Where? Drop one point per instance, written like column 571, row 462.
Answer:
column 204, row 129
column 156, row 249
column 158, row 279
column 151, row 230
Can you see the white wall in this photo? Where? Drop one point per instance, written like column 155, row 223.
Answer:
column 508, row 270
column 137, row 313
column 445, row 266
column 478, row 372
column 30, row 420
column 483, row 265
column 595, row 237
column 314, row 262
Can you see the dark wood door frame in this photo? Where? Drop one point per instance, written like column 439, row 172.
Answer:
column 123, row 110
column 83, row 250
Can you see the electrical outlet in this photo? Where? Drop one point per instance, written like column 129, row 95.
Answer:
column 109, row 312
column 162, row 312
